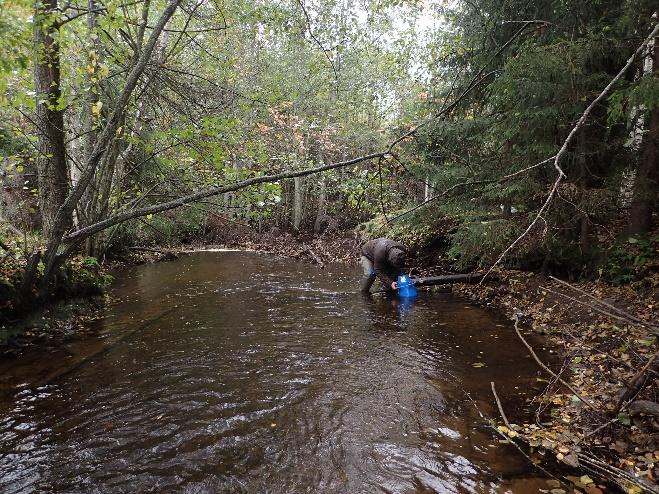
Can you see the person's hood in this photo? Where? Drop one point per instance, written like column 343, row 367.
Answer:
column 397, row 257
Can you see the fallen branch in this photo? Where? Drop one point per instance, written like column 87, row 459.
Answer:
column 157, row 251
column 447, row 279
column 620, row 477
column 503, row 414
column 548, row 370
column 644, row 406
column 626, row 320
column 74, row 238
column 639, row 381
column 623, row 315
column 490, row 423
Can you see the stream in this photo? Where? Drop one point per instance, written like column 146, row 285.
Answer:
column 240, row 372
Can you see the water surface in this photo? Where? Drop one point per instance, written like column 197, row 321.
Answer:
column 240, row 372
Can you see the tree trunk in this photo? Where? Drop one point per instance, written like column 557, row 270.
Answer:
column 298, row 200
column 320, row 214
column 644, row 199
column 52, row 259
column 52, row 170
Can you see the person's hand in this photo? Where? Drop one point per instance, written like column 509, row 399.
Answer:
column 394, row 285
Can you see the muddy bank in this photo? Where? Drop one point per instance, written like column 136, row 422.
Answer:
column 50, row 327
column 606, row 338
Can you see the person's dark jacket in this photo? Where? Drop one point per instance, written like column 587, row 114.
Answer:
column 378, row 252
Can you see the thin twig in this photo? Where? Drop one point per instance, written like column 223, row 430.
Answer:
column 508, row 439
column 503, row 414
column 547, row 369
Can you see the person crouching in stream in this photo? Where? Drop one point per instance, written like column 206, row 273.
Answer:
column 384, row 259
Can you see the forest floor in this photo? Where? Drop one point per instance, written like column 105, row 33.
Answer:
column 604, row 335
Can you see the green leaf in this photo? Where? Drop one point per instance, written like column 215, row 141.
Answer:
column 624, row 419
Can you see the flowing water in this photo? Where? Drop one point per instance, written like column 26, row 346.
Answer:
column 240, row 372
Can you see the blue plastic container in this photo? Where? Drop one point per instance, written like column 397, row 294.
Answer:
column 406, row 288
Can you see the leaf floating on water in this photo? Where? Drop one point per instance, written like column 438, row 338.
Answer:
column 478, row 364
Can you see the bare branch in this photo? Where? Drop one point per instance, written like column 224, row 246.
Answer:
column 547, row 369
column 83, row 233
column 503, row 414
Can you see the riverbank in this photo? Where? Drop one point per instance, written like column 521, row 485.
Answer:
column 603, row 418
column 50, row 327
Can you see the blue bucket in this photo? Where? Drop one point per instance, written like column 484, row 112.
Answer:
column 406, row 288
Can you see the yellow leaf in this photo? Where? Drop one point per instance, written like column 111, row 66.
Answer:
column 96, row 108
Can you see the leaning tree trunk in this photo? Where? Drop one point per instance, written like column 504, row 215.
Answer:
column 52, row 171
column 645, row 190
column 52, row 258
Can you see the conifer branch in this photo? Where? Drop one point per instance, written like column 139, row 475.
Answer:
column 561, row 152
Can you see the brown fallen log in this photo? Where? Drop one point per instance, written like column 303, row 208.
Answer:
column 642, row 378
column 448, row 279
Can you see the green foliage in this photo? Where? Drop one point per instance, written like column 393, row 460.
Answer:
column 535, row 90
column 628, row 258
column 86, row 271
column 413, row 235
column 480, row 243
column 166, row 229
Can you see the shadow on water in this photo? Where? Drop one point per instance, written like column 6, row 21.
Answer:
column 239, row 372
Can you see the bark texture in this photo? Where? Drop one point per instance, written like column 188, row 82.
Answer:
column 52, row 169
column 644, row 199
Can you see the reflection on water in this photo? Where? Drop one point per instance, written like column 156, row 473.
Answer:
column 238, row 372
